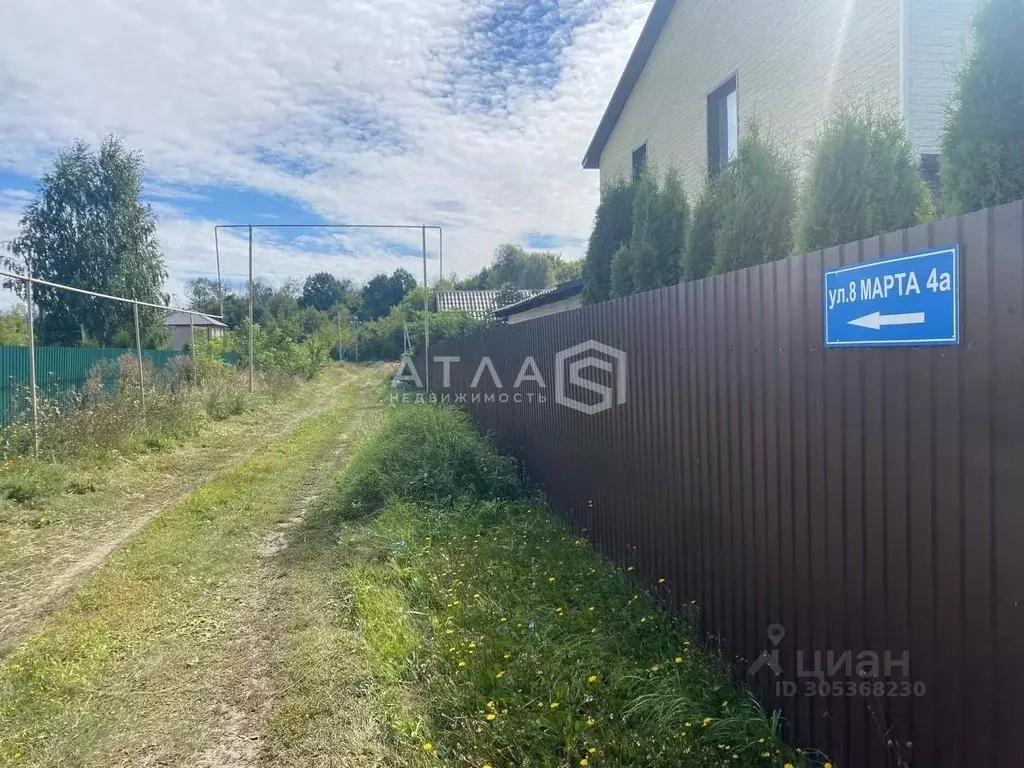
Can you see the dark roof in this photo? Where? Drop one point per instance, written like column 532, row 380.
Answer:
column 202, row 321
column 635, row 65
column 479, row 304
column 551, row 295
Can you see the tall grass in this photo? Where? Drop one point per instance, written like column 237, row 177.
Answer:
column 509, row 642
column 423, row 454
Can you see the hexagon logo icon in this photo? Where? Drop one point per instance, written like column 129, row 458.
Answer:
column 614, row 361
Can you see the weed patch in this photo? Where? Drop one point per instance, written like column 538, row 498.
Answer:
column 521, row 645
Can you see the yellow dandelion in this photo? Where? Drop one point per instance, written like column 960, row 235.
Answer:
column 661, row 581
column 788, row 765
column 428, row 747
column 476, row 596
column 707, row 721
column 551, row 579
column 462, row 663
column 491, row 716
column 503, row 619
column 486, row 765
column 584, row 761
column 592, row 679
column 592, row 750
column 654, row 668
column 500, row 675
column 590, row 722
column 553, row 705
column 687, row 724
column 828, row 765
column 679, row 659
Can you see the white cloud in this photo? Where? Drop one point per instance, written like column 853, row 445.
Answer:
column 362, row 110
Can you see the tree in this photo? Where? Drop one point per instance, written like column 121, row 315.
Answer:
column 623, row 281
column 89, row 229
column 513, row 265
column 509, row 294
column 699, row 257
column 983, row 136
column 383, row 292
column 564, row 271
column 613, row 228
column 323, row 291
column 755, row 202
column 864, row 180
column 13, row 327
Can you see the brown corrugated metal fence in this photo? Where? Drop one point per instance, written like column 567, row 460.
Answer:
column 866, row 500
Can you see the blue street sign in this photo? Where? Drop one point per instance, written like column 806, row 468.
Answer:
column 909, row 300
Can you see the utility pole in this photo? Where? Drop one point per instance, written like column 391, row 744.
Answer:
column 340, row 342
column 252, row 370
column 426, row 315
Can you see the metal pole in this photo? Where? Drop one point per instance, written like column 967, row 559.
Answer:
column 138, row 350
column 440, row 254
column 339, row 338
column 426, row 315
column 220, row 285
column 252, row 370
column 32, row 371
column 192, row 347
column 357, row 340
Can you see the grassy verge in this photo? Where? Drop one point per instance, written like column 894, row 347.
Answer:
column 144, row 663
column 499, row 639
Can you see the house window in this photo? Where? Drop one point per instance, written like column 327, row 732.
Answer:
column 639, row 161
column 723, row 125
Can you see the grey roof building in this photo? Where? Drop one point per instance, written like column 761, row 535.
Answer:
column 479, row 304
column 181, row 328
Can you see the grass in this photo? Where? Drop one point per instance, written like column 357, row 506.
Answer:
column 153, row 651
column 499, row 639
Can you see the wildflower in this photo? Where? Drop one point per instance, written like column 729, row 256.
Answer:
column 630, row 568
column 592, row 679
column 590, row 722
column 679, row 659
column 491, row 716
column 500, row 675
column 590, row 608
column 592, row 750
column 476, row 596
column 471, row 646
column 508, row 655
column 487, row 765
column 654, row 668
column 687, row 724
column 592, row 631
column 462, row 663
column 428, row 747
column 707, row 721
column 661, row 581
column 686, row 642
column 788, row 765
column 766, row 754
column 554, row 705
column 828, row 765
column 584, row 762
column 503, row 619
column 551, row 579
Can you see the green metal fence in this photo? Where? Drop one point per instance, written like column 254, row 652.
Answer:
column 60, row 373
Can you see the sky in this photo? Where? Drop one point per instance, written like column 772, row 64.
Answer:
column 473, row 115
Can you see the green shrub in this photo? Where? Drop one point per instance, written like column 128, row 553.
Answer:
column 623, row 264
column 660, row 215
column 613, row 227
column 422, row 453
column 983, row 136
column 864, row 180
column 699, row 257
column 754, row 203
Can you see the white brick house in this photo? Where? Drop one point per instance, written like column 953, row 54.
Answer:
column 701, row 68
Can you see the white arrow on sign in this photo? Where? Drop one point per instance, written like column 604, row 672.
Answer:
column 876, row 320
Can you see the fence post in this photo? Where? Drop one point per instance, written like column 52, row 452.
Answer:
column 192, row 347
column 426, row 315
column 138, row 350
column 340, row 360
column 251, row 369
column 32, row 369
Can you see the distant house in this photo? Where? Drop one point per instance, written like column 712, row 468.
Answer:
column 181, row 329
column 558, row 299
column 479, row 304
column 701, row 69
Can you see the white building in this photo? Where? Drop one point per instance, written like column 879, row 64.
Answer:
column 701, row 68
